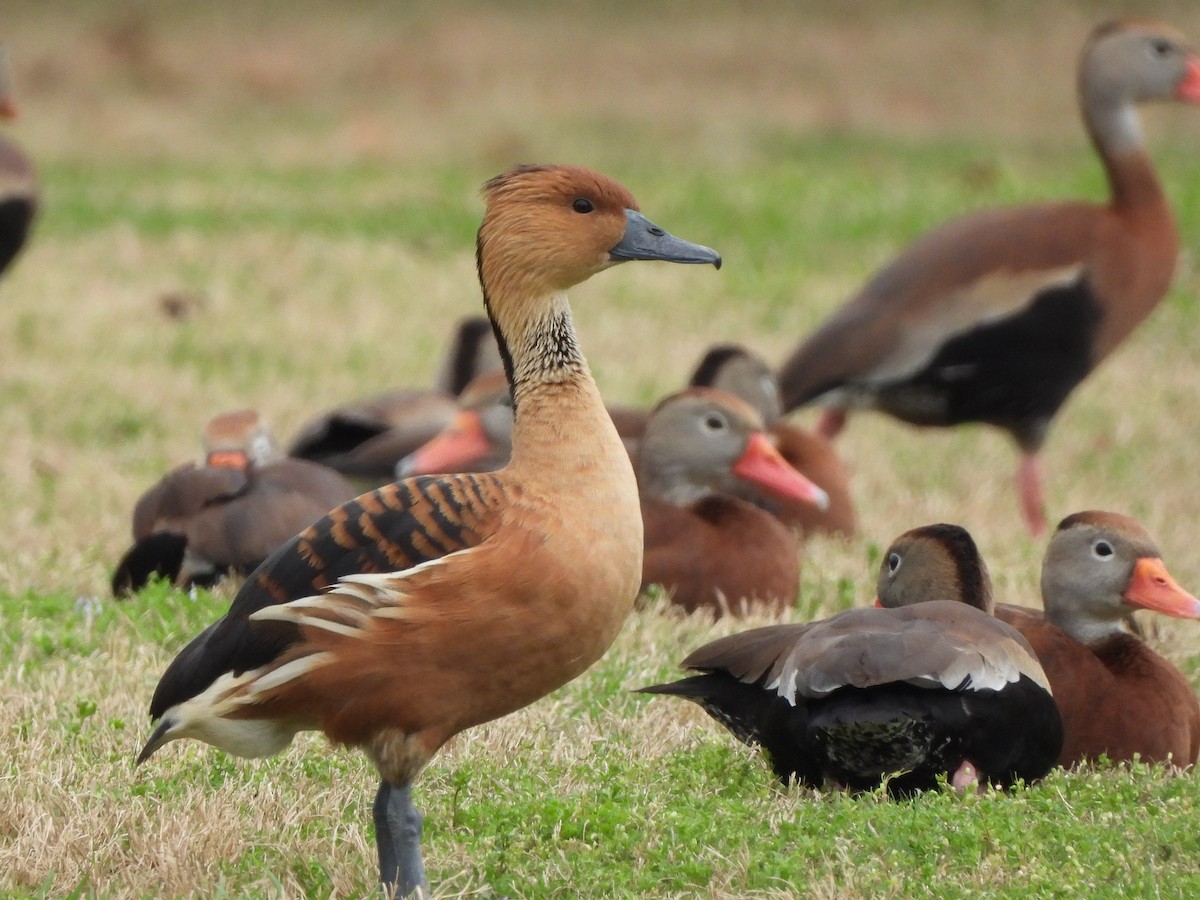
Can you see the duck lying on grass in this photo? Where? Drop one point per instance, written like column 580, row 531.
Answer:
column 899, row 696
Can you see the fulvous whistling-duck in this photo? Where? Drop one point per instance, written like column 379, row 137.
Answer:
column 441, row 602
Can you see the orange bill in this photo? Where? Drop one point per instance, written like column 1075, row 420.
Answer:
column 1189, row 87
column 459, row 444
column 1152, row 587
column 227, row 459
column 762, row 465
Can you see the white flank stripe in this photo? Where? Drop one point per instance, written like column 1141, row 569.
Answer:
column 289, row 671
column 329, row 625
column 399, row 611
column 277, row 613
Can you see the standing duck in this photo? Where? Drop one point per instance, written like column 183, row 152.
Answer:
column 996, row 316
column 928, row 689
column 438, row 603
column 735, row 369
column 18, row 181
column 706, row 547
column 201, row 522
column 366, row 439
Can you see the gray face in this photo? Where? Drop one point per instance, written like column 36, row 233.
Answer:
column 1132, row 65
column 690, row 446
column 1087, row 569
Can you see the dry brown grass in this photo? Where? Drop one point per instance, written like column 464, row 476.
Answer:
column 312, row 81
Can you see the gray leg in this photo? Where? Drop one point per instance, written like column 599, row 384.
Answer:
column 398, row 837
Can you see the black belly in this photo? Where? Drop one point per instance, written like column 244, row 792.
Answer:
column 914, row 735
column 15, row 217
column 858, row 737
column 1014, row 373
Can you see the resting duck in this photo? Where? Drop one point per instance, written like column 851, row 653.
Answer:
column 1118, row 698
column 997, row 316
column 929, row 689
column 201, row 522
column 735, row 369
column 18, row 180
column 366, row 439
column 699, row 450
column 707, row 548
column 479, row 437
column 438, row 603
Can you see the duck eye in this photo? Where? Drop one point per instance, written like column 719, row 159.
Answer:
column 1102, row 549
column 1160, row 47
column 582, row 205
column 713, row 422
column 893, row 562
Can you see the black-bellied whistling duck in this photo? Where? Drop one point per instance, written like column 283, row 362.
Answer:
column 201, row 522
column 708, row 548
column 18, row 181
column 934, row 688
column 735, row 369
column 479, row 437
column 997, row 316
column 487, row 591
column 366, row 439
column 1118, row 698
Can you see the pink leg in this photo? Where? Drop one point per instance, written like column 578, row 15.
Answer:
column 966, row 777
column 831, row 423
column 1029, row 487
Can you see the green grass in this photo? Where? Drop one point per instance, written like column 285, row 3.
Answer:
column 323, row 211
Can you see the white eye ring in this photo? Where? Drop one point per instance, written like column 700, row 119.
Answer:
column 893, row 563
column 714, row 422
column 1102, row 550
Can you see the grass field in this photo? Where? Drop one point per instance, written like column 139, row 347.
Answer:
column 308, row 173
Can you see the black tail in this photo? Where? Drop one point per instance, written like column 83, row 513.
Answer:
column 159, row 554
column 693, row 688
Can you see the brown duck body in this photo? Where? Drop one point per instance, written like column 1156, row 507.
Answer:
column 450, row 600
column 1118, row 698
column 720, row 554
column 997, row 316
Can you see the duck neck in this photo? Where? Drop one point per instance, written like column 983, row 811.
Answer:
column 555, row 398
column 1116, row 132
column 670, row 483
column 1079, row 623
